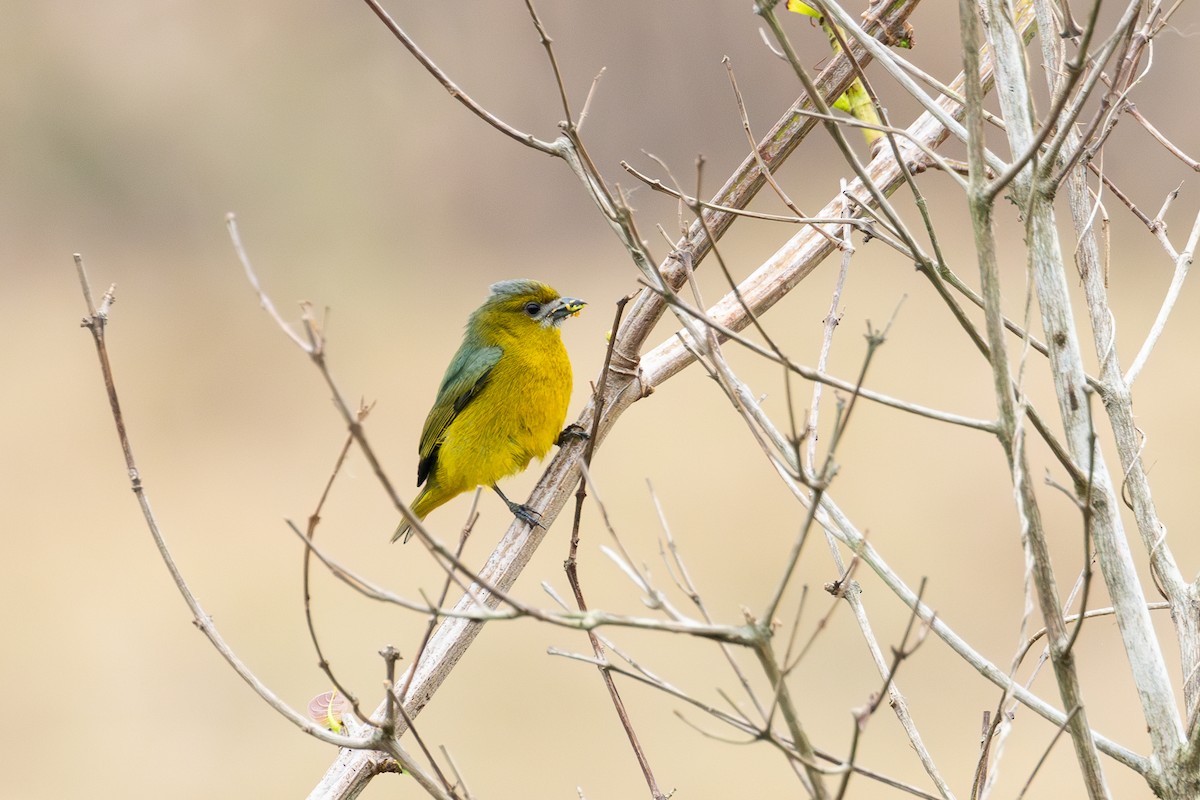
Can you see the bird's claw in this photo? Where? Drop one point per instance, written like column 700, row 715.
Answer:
column 528, row 516
column 572, row 431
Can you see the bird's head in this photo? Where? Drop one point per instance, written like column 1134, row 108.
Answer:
column 518, row 303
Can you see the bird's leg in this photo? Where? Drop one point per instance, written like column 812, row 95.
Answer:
column 572, row 431
column 521, row 512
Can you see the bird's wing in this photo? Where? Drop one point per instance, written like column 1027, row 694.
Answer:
column 464, row 380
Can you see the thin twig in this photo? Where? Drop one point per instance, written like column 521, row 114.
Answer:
column 1183, row 264
column 1046, row 753
column 263, row 298
column 375, row 741
column 453, row 88
column 311, row 531
column 571, row 567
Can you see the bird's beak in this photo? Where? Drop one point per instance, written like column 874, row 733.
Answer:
column 567, row 307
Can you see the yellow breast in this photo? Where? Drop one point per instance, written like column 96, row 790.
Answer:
column 516, row 417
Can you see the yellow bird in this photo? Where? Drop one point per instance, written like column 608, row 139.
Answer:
column 503, row 399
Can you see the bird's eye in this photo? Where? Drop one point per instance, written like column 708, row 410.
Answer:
column 532, row 309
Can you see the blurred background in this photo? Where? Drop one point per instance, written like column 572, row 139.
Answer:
column 128, row 130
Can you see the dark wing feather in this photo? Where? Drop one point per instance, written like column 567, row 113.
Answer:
column 464, row 380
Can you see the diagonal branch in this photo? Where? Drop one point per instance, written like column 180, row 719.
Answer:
column 626, row 384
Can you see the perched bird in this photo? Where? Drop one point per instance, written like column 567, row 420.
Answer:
column 503, row 399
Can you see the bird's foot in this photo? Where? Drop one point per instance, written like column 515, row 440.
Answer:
column 572, row 431
column 527, row 515
column 520, row 510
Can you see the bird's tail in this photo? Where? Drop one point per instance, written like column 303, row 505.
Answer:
column 403, row 531
column 420, row 507
column 426, row 500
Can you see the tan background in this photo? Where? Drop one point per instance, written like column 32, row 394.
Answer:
column 128, row 130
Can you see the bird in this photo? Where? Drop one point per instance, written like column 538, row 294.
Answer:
column 502, row 401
